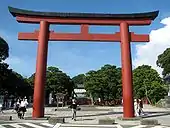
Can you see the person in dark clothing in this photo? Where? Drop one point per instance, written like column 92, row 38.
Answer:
column 74, row 109
column 140, row 107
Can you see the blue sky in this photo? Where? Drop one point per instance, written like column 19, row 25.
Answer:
column 73, row 57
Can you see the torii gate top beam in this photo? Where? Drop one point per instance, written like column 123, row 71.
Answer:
column 83, row 19
column 26, row 16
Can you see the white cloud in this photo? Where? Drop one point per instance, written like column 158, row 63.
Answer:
column 159, row 41
column 13, row 60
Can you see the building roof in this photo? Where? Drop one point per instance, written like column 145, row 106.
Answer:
column 22, row 12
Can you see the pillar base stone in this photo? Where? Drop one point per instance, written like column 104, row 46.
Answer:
column 149, row 122
column 129, row 118
column 106, row 121
column 55, row 120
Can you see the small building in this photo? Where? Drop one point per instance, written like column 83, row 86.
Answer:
column 81, row 95
column 79, row 91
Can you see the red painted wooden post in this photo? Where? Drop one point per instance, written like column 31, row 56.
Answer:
column 128, row 104
column 40, row 76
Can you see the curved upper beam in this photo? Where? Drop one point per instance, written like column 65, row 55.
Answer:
column 21, row 12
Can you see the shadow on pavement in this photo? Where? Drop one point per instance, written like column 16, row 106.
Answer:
column 147, row 114
column 155, row 114
column 91, row 115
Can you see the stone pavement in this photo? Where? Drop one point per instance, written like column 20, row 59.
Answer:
column 106, row 126
column 26, row 125
column 47, row 125
column 91, row 115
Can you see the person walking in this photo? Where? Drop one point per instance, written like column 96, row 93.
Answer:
column 23, row 106
column 140, row 107
column 136, row 106
column 17, row 105
column 74, row 109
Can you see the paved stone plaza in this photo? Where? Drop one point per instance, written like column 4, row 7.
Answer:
column 89, row 115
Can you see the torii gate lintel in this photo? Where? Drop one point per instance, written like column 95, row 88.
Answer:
column 53, row 36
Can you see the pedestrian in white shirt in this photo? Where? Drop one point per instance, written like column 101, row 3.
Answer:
column 136, row 107
column 23, row 106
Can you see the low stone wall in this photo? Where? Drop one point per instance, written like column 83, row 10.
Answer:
column 106, row 121
column 5, row 118
column 149, row 122
column 55, row 120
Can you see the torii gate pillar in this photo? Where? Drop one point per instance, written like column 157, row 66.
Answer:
column 126, row 71
column 40, row 75
column 84, row 20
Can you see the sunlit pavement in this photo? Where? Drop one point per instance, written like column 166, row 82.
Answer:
column 91, row 115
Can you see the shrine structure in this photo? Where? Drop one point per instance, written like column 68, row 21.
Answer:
column 43, row 35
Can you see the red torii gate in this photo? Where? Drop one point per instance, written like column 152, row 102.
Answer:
column 84, row 20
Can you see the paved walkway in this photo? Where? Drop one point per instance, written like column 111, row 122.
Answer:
column 26, row 125
column 91, row 115
column 47, row 125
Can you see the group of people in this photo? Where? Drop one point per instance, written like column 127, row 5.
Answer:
column 138, row 104
column 21, row 107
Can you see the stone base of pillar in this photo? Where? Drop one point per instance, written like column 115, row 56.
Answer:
column 129, row 118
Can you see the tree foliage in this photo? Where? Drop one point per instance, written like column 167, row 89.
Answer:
column 148, row 83
column 104, row 83
column 79, row 79
column 10, row 81
column 4, row 49
column 15, row 84
column 56, row 81
column 164, row 62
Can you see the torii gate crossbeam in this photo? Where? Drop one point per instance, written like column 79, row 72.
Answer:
column 43, row 35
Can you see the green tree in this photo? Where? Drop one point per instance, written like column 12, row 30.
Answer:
column 163, row 61
column 56, row 82
column 79, row 79
column 16, row 85
column 93, row 84
column 10, row 81
column 104, row 83
column 4, row 49
column 147, row 83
